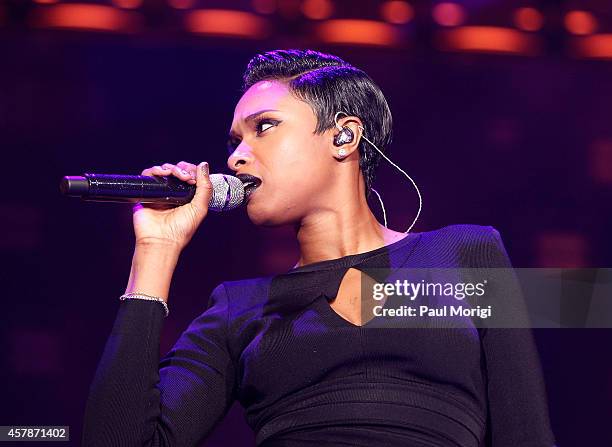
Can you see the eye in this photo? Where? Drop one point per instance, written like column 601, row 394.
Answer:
column 265, row 124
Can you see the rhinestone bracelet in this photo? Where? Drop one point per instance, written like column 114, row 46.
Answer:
column 144, row 296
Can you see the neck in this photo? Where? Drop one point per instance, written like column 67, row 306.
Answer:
column 337, row 232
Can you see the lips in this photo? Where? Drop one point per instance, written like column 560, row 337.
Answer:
column 250, row 182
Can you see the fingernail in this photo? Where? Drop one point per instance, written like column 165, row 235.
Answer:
column 205, row 168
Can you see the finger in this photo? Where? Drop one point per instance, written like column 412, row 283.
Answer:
column 189, row 167
column 204, row 190
column 156, row 170
column 183, row 175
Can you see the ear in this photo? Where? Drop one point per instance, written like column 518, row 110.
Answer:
column 355, row 125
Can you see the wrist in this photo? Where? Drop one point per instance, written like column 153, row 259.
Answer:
column 152, row 269
column 154, row 244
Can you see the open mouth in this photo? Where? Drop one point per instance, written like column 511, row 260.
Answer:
column 250, row 183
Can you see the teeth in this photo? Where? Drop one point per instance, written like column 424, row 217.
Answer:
column 251, row 183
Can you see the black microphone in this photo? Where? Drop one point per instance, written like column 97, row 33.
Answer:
column 229, row 192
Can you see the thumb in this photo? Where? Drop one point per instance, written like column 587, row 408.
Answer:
column 204, row 189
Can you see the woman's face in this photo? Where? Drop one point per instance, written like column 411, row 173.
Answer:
column 273, row 138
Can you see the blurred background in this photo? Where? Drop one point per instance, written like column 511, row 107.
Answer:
column 502, row 115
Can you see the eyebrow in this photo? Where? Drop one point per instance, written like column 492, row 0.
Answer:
column 251, row 117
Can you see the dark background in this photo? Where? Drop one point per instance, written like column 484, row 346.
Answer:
column 519, row 142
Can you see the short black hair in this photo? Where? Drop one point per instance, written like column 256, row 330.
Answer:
column 330, row 85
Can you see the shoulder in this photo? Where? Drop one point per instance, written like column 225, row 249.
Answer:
column 461, row 233
column 467, row 245
column 245, row 294
column 248, row 286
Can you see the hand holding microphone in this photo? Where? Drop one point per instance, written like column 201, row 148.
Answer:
column 171, row 203
column 157, row 224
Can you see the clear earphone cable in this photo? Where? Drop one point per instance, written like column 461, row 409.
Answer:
column 402, row 171
column 382, row 205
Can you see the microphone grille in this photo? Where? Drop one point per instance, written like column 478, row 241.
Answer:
column 228, row 192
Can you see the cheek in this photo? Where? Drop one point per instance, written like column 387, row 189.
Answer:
column 296, row 176
column 300, row 174
column 300, row 166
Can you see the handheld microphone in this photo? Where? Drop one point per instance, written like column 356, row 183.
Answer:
column 229, row 192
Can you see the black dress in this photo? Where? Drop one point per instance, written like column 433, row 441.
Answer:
column 306, row 376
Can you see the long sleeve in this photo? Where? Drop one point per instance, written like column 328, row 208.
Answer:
column 518, row 409
column 137, row 400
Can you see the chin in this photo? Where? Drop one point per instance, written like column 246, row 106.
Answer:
column 259, row 216
column 266, row 216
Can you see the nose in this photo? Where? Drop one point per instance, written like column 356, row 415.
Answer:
column 241, row 156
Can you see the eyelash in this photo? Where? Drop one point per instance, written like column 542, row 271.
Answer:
column 233, row 143
column 260, row 122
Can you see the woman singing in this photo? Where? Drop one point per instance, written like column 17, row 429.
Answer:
column 295, row 349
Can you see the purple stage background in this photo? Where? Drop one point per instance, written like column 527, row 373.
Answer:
column 517, row 139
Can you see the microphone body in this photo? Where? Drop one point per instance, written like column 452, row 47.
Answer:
column 228, row 191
